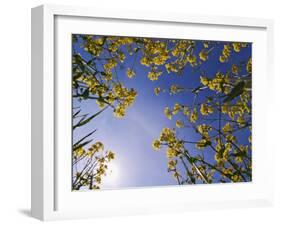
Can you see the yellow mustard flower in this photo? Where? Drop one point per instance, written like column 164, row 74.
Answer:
column 172, row 164
column 98, row 146
column 204, row 129
column 176, row 174
column 119, row 111
column 222, row 59
column 204, row 80
column 191, row 59
column 177, row 108
column 203, row 55
column 111, row 63
column 121, row 57
column 171, row 153
column 110, row 155
column 168, row 113
column 186, row 111
column 202, row 143
column 206, row 109
column 241, row 121
column 236, row 46
column 100, row 103
column 157, row 90
column 174, row 89
column 194, row 115
column 235, row 69
column 156, row 144
column 130, row 73
column 227, row 128
column 154, row 75
column 167, row 135
column 145, row 61
column 79, row 152
column 179, row 124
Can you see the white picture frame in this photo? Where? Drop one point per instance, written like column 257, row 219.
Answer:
column 50, row 198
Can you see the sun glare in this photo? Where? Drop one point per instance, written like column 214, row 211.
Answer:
column 112, row 175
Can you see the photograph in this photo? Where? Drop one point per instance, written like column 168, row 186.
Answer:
column 150, row 111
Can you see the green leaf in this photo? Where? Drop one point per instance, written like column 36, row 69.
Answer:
column 85, row 121
column 76, row 113
column 83, row 138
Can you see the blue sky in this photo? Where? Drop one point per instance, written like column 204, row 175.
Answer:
column 131, row 137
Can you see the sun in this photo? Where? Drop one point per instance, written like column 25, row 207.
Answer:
column 112, row 175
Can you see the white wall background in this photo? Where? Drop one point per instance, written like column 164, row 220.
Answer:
column 15, row 112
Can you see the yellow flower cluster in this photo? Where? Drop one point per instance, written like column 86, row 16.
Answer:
column 204, row 80
column 225, row 53
column 176, row 174
column 121, row 57
column 94, row 86
column 119, row 111
column 171, row 67
column 130, row 73
column 171, row 153
column 239, row 109
column 94, row 46
column 191, row 59
column 91, row 176
column 155, row 53
column 79, row 152
column 98, row 146
column 174, row 89
column 206, row 109
column 202, row 143
column 126, row 98
column 227, row 128
column 223, row 150
column 154, row 75
column 172, row 164
column 218, row 83
column 181, row 47
column 235, row 69
column 241, row 121
column 249, row 66
column 175, row 146
column 203, row 55
column 156, row 144
column 110, row 155
column 176, row 109
column 183, row 53
column 145, row 61
column 167, row 135
column 157, row 90
column 194, row 115
column 111, row 63
column 114, row 44
column 237, row 46
column 168, row 113
column 161, row 58
column 230, row 173
column 204, row 129
column 179, row 124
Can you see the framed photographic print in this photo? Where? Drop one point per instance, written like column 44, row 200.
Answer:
column 148, row 112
